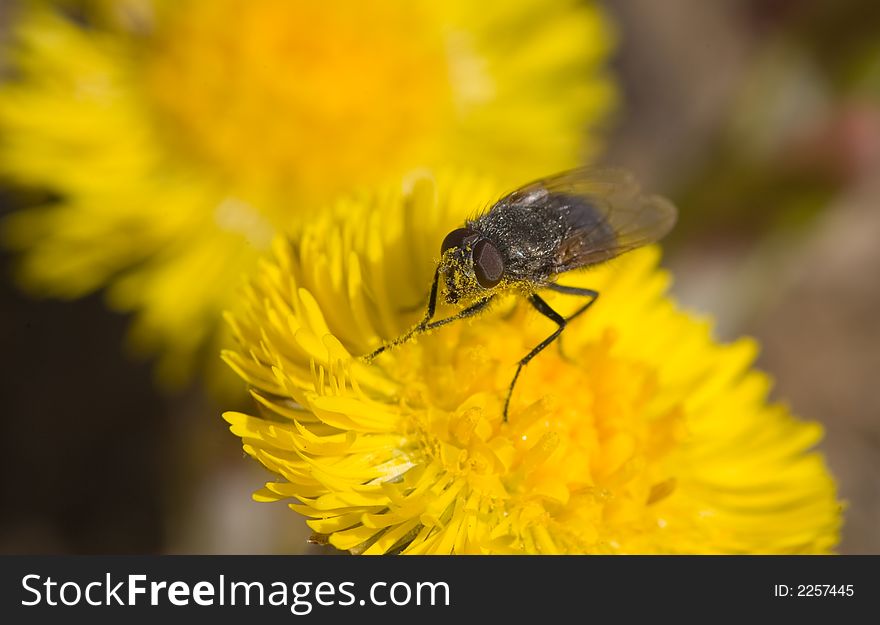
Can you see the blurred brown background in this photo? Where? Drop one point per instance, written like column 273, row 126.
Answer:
column 761, row 119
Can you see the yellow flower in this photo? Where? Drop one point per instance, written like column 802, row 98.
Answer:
column 181, row 135
column 639, row 435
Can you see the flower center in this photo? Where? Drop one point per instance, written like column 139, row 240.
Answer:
column 584, row 450
column 301, row 97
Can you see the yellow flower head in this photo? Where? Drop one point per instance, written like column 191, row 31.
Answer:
column 181, row 135
column 638, row 435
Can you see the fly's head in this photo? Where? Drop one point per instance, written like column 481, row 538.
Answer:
column 471, row 265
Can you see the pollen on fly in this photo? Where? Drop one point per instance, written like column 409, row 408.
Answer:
column 569, row 221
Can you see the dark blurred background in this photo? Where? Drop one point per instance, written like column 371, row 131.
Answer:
column 760, row 119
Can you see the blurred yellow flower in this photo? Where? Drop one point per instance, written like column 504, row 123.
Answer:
column 645, row 437
column 179, row 136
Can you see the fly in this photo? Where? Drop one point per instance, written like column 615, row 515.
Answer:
column 569, row 221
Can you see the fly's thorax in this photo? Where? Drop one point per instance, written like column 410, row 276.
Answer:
column 526, row 237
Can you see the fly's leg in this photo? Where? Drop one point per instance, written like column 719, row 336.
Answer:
column 429, row 313
column 574, row 290
column 470, row 311
column 426, row 324
column 544, row 308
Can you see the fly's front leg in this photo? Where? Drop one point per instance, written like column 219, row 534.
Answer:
column 426, row 324
column 418, row 329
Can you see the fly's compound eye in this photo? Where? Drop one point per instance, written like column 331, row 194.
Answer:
column 455, row 239
column 488, row 265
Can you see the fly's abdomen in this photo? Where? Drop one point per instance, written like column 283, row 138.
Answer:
column 586, row 222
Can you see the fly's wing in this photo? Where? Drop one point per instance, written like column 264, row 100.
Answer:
column 605, row 212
